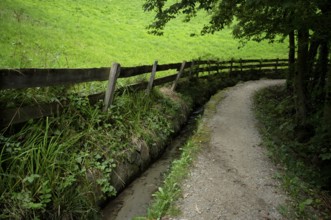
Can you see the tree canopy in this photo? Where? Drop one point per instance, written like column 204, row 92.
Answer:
column 307, row 20
column 255, row 19
column 307, row 23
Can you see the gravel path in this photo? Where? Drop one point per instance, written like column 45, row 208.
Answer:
column 232, row 177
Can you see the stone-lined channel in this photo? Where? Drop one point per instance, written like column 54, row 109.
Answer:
column 135, row 198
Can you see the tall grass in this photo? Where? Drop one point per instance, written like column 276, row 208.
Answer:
column 38, row 175
column 60, row 167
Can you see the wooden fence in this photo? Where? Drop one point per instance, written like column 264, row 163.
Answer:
column 30, row 78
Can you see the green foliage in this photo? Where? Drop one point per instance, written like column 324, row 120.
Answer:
column 39, row 176
column 84, row 34
column 60, row 167
column 255, row 19
column 32, row 96
column 302, row 175
column 266, row 20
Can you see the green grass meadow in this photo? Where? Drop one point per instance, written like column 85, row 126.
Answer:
column 82, row 33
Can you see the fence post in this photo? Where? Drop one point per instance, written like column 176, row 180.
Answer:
column 276, row 66
column 218, row 66
column 196, row 73
column 191, row 70
column 208, row 66
column 178, row 76
column 151, row 79
column 113, row 75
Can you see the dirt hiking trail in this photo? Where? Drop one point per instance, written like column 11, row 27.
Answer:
column 232, row 178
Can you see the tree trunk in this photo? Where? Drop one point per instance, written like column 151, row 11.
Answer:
column 312, row 77
column 313, row 74
column 314, row 44
column 300, row 77
column 327, row 103
column 327, row 106
column 323, row 64
column 291, row 61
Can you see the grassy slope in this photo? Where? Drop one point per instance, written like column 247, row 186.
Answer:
column 69, row 33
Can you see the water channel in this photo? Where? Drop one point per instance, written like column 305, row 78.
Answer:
column 135, row 198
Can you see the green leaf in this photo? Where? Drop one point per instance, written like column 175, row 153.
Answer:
column 33, row 205
column 304, row 204
column 31, row 178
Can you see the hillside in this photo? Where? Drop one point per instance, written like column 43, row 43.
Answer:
column 69, row 33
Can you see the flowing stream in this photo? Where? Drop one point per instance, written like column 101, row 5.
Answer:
column 135, row 198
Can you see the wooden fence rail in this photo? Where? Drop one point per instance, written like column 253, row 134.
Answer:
column 29, row 78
